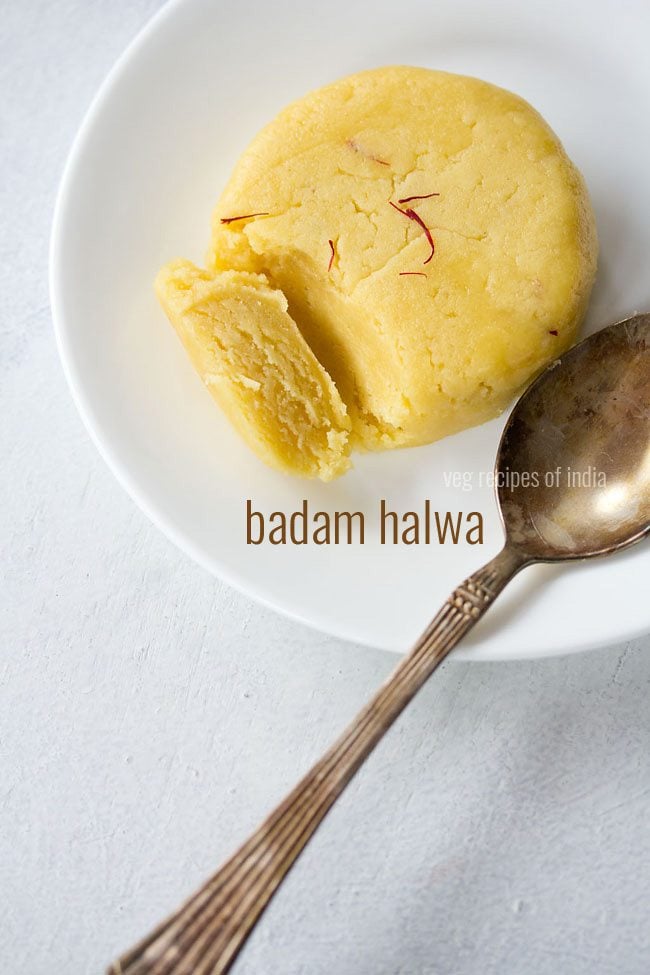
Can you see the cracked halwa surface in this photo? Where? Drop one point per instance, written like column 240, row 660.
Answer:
column 320, row 326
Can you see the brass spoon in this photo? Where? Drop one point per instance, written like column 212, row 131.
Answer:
column 589, row 410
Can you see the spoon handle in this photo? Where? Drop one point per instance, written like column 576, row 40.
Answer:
column 204, row 936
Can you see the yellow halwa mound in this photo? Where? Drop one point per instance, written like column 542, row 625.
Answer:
column 393, row 258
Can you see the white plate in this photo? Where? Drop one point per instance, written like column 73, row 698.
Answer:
column 141, row 181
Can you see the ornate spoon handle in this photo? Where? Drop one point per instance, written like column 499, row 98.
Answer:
column 205, row 934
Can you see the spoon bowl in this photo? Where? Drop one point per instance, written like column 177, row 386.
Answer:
column 573, row 465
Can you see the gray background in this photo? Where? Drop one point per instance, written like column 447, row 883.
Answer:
column 150, row 716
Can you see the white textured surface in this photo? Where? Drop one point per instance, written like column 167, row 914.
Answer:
column 149, row 716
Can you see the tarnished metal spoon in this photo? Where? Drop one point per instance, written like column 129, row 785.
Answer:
column 573, row 476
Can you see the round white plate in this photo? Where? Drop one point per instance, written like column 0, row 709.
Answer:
column 145, row 171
